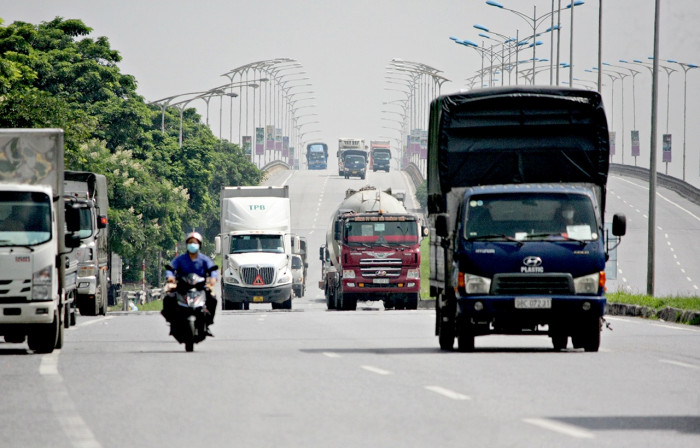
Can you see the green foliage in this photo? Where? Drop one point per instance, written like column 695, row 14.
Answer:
column 422, row 195
column 53, row 75
column 691, row 303
column 425, row 268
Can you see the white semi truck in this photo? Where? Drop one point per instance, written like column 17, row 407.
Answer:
column 93, row 253
column 256, row 246
column 37, row 232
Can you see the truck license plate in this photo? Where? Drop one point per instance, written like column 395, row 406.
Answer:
column 258, row 298
column 383, row 281
column 533, row 302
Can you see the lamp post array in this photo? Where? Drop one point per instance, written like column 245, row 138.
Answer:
column 421, row 83
column 268, row 86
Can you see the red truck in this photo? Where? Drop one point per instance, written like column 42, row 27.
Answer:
column 372, row 252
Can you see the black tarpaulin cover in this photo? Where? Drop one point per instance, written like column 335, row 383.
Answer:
column 513, row 135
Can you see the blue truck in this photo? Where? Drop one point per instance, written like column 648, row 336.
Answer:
column 516, row 200
column 317, row 156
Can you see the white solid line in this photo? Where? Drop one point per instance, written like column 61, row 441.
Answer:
column 376, row 370
column 94, row 321
column 331, row 354
column 49, row 364
column 678, row 363
column 447, row 393
column 285, row 181
column 677, row 328
column 562, row 428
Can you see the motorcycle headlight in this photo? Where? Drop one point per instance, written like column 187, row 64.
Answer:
column 41, row 283
column 588, row 284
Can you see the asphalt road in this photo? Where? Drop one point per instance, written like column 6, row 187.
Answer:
column 318, row 378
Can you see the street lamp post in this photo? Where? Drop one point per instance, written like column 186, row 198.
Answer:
column 686, row 68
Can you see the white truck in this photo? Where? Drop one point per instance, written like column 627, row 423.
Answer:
column 37, row 232
column 93, row 253
column 256, row 246
column 350, row 146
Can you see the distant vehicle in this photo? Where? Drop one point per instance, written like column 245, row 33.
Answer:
column 317, row 156
column 372, row 252
column 347, row 146
column 355, row 165
column 379, row 156
column 516, row 201
column 298, row 279
column 256, row 245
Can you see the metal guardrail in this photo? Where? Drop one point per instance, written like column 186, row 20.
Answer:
column 672, row 183
column 140, row 297
column 414, row 172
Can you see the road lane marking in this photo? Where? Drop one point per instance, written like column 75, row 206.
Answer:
column 94, row 321
column 331, row 355
column 376, row 370
column 72, row 424
column 678, row 363
column 447, row 393
column 562, row 428
column 677, row 328
column 285, row 181
column 662, row 197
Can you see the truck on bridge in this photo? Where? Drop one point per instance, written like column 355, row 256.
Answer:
column 516, row 200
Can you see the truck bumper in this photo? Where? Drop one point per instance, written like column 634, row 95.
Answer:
column 501, row 314
column 366, row 290
column 27, row 313
column 87, row 285
column 238, row 294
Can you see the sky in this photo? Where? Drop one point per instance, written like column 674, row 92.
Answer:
column 177, row 46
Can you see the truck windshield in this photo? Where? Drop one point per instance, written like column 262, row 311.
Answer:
column 25, row 218
column 257, row 243
column 364, row 233
column 381, row 155
column 530, row 216
column 354, row 161
column 85, row 223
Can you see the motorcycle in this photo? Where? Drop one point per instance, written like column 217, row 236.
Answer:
column 190, row 325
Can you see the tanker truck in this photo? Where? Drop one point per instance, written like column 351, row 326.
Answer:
column 372, row 252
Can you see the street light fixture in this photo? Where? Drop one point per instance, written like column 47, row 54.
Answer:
column 686, row 68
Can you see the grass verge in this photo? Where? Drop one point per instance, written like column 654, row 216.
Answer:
column 657, row 303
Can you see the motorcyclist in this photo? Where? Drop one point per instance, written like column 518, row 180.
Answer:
column 191, row 262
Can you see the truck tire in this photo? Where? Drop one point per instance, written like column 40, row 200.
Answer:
column 412, row 301
column 348, row 302
column 560, row 341
column 465, row 337
column 445, row 316
column 287, row 304
column 588, row 335
column 43, row 338
column 330, row 300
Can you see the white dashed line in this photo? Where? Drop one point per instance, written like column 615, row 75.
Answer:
column 331, row 355
column 562, row 428
column 376, row 370
column 94, row 321
column 678, row 363
column 447, row 393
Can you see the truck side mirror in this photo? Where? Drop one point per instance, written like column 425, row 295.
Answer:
column 102, row 222
column 441, row 225
column 619, row 224
column 72, row 241
column 337, row 230
column 73, row 219
column 217, row 244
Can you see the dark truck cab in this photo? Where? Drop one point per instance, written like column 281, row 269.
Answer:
column 516, row 201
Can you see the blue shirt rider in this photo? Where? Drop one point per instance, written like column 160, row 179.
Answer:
column 191, row 262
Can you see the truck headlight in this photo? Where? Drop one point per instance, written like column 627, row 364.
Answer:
column 348, row 273
column 474, row 284
column 413, row 273
column 588, row 284
column 41, row 283
column 285, row 278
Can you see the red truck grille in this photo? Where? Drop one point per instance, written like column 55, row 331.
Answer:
column 377, row 267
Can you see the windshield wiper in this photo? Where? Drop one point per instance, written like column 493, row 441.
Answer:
column 491, row 237
column 557, row 235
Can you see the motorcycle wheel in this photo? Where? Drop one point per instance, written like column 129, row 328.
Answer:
column 189, row 337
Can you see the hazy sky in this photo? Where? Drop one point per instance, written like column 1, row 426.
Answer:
column 178, row 46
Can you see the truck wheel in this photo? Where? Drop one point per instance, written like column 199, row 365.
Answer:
column 412, row 301
column 348, row 303
column 43, row 338
column 66, row 314
column 560, row 341
column 591, row 336
column 465, row 338
column 445, row 316
column 59, row 337
column 330, row 300
column 287, row 304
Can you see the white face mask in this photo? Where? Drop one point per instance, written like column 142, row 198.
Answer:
column 568, row 214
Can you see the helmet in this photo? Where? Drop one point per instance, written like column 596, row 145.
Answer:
column 195, row 235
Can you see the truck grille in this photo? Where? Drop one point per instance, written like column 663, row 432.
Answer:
column 250, row 274
column 517, row 284
column 377, row 267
